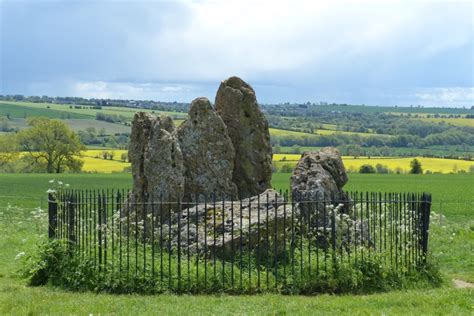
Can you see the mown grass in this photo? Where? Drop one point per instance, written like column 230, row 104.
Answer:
column 18, row 299
column 451, row 244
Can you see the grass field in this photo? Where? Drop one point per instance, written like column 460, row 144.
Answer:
column 332, row 132
column 55, row 110
column 15, row 110
column 281, row 132
column 451, row 242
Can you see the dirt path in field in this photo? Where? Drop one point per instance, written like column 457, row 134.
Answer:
column 460, row 284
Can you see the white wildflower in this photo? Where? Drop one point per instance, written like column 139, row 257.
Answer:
column 60, row 182
column 51, row 181
column 19, row 255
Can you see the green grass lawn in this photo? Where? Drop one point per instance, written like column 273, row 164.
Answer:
column 451, row 242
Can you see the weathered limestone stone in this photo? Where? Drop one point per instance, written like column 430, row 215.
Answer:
column 316, row 184
column 156, row 158
column 208, row 153
column 236, row 103
column 321, row 173
column 249, row 226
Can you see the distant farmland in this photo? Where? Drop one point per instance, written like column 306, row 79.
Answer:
column 93, row 162
column 353, row 165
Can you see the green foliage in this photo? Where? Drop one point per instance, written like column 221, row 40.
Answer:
column 471, row 169
column 286, row 168
column 66, row 267
column 367, row 169
column 9, row 150
column 46, row 263
column 51, row 146
column 415, row 167
column 382, row 168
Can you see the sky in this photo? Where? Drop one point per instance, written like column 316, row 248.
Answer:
column 408, row 52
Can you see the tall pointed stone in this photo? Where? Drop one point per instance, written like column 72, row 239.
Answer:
column 208, row 153
column 237, row 105
column 156, row 158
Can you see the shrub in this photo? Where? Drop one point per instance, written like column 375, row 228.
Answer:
column 415, row 167
column 286, row 168
column 381, row 168
column 471, row 169
column 367, row 169
column 57, row 265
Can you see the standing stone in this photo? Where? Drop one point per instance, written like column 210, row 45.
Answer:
column 319, row 175
column 142, row 125
column 156, row 158
column 316, row 184
column 236, row 103
column 208, row 153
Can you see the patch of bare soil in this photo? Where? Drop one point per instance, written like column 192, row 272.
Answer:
column 460, row 284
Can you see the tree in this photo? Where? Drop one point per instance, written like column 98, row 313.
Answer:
column 51, row 145
column 366, row 169
column 9, row 152
column 354, row 150
column 415, row 167
column 124, row 157
column 381, row 168
column 286, row 168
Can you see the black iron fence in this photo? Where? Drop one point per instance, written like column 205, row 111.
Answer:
column 266, row 242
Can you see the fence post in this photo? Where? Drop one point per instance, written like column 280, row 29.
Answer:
column 425, row 222
column 71, row 221
column 52, row 216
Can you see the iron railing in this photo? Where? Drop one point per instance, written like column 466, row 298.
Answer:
column 250, row 245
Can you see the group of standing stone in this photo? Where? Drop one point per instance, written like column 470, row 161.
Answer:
column 223, row 150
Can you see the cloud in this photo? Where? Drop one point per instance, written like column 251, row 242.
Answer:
column 447, row 95
column 342, row 51
column 130, row 90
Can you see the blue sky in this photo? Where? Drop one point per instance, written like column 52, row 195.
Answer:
column 358, row 52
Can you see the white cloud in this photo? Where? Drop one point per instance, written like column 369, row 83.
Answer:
column 349, row 51
column 447, row 96
column 258, row 38
column 129, row 90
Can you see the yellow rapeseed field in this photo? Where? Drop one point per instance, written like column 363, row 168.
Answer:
column 103, row 166
column 94, row 162
column 351, row 164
